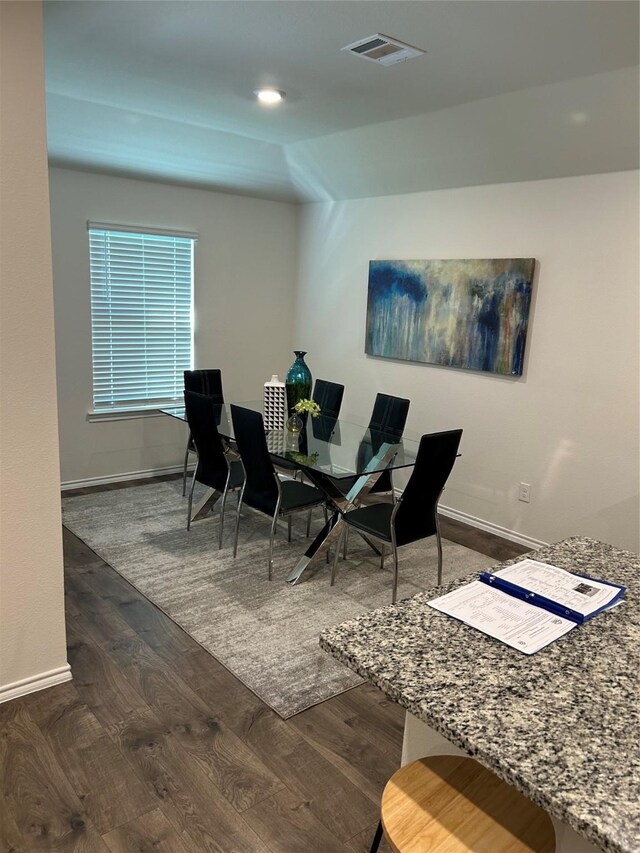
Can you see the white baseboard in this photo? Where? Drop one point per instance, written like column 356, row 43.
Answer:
column 503, row 532
column 119, row 478
column 472, row 521
column 34, row 683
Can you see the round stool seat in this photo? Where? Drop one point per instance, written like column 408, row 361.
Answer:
column 452, row 804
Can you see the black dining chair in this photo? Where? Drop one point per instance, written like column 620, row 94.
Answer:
column 263, row 489
column 387, row 421
column 414, row 515
column 388, row 418
column 208, row 382
column 328, row 395
column 214, row 469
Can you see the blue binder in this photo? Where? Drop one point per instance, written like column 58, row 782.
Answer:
column 547, row 603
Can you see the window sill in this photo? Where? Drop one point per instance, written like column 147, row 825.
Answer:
column 94, row 416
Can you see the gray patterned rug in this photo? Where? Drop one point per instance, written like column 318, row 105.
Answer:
column 265, row 632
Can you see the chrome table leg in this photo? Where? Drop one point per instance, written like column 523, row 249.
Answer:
column 342, row 503
column 205, row 504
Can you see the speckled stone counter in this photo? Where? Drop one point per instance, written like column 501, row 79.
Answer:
column 562, row 726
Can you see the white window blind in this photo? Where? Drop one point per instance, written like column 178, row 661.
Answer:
column 141, row 316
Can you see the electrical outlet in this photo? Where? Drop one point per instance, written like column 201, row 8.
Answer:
column 524, row 492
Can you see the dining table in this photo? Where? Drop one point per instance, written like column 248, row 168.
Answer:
column 342, row 458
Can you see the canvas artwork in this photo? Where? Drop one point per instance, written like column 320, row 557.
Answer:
column 460, row 313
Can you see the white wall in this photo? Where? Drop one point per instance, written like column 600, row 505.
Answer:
column 547, row 131
column 244, row 292
column 569, row 425
column 32, row 636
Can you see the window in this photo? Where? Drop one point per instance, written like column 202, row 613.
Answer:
column 141, row 316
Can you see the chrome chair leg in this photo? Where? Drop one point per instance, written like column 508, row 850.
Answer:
column 309, row 524
column 190, row 505
column 272, row 534
column 224, row 500
column 439, row 544
column 235, row 538
column 334, row 567
column 394, row 594
column 345, row 544
column 184, row 468
column 326, row 521
column 382, row 556
column 288, row 531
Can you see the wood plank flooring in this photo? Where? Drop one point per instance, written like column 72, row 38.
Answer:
column 155, row 746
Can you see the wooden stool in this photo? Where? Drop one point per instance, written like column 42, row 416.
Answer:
column 452, row 804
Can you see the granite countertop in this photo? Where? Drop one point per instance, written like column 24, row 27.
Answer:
column 562, row 726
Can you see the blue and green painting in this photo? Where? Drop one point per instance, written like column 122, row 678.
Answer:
column 460, row 313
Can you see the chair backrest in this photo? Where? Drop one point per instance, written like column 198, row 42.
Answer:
column 388, row 419
column 415, row 516
column 201, row 411
column 260, row 487
column 389, row 415
column 328, row 395
column 208, row 382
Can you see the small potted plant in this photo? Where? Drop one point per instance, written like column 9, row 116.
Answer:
column 301, row 409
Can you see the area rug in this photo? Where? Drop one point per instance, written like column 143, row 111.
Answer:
column 265, row 632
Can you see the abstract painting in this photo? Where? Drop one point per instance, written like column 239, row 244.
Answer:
column 460, row 313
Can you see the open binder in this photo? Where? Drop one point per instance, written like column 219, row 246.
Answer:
column 549, row 604
column 530, row 604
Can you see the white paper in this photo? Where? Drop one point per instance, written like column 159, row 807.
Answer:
column 516, row 623
column 583, row 595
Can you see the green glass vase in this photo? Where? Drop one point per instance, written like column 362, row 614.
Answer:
column 298, row 381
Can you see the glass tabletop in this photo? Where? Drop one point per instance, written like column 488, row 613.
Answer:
column 337, row 448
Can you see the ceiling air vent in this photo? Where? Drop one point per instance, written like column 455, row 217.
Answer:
column 383, row 50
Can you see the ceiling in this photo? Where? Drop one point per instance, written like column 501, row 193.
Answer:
column 163, row 90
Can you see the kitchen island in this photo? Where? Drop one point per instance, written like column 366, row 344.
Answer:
column 562, row 726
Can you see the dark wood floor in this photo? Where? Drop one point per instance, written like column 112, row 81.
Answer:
column 155, row 746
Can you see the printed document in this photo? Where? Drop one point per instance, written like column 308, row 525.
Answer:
column 530, row 604
column 516, row 623
column 581, row 594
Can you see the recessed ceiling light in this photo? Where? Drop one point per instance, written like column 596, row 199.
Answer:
column 269, row 96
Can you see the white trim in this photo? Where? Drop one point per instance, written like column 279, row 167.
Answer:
column 488, row 526
column 34, row 683
column 120, row 478
column 141, row 229
column 503, row 532
column 448, row 512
